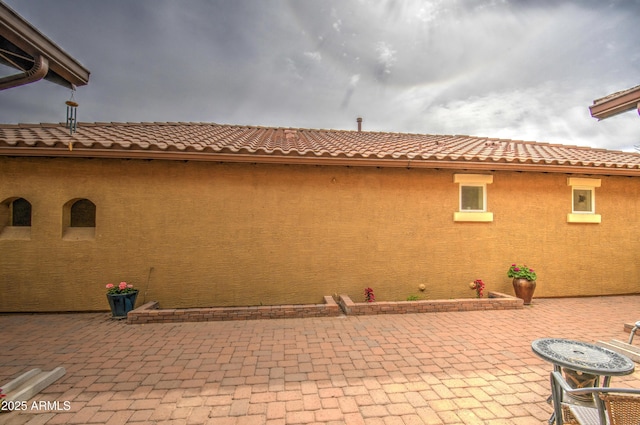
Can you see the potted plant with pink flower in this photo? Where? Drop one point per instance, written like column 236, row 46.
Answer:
column 524, row 281
column 122, row 299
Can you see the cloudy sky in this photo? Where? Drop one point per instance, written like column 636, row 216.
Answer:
column 525, row 70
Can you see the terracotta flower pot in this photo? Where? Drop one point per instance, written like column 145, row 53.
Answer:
column 524, row 289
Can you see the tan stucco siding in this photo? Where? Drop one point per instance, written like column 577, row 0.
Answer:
column 205, row 234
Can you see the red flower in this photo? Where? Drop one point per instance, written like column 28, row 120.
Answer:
column 478, row 285
column 368, row 295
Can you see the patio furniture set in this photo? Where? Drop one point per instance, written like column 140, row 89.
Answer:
column 581, row 391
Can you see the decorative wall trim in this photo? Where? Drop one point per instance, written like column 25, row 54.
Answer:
column 473, row 178
column 473, row 216
column 581, row 181
column 584, row 218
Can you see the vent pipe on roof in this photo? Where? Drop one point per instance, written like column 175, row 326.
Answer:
column 359, row 121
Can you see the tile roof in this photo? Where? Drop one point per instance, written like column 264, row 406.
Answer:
column 230, row 143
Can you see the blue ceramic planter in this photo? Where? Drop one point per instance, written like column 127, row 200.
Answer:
column 121, row 304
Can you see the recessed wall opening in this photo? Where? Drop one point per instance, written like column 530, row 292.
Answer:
column 83, row 214
column 15, row 219
column 79, row 220
column 20, row 210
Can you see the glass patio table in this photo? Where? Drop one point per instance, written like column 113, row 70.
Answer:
column 579, row 358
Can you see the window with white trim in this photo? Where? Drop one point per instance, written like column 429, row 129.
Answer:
column 472, row 197
column 583, row 200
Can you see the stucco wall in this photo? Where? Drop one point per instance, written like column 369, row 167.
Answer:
column 203, row 234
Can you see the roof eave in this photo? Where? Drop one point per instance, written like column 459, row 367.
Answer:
column 79, row 152
column 22, row 34
column 614, row 105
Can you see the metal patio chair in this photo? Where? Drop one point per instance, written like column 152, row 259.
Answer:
column 612, row 406
column 636, row 326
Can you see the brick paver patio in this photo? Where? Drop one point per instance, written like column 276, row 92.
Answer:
column 433, row 368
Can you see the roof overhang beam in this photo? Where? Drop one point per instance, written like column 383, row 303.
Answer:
column 94, row 153
column 616, row 104
column 62, row 68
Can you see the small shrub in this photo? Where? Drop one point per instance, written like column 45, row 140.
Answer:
column 368, row 295
column 413, row 298
column 478, row 285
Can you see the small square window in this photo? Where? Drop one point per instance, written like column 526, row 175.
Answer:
column 583, row 200
column 472, row 198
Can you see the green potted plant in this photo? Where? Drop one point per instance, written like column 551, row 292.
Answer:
column 122, row 299
column 524, row 281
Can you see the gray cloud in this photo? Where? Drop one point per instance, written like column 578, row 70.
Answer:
column 515, row 69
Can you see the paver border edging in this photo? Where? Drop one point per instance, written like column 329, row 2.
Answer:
column 152, row 313
column 494, row 301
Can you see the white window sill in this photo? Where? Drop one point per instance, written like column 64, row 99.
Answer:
column 584, row 218
column 473, row 216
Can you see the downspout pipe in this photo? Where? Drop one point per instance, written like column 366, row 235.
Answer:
column 37, row 72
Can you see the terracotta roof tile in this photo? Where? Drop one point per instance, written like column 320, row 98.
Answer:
column 215, row 142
